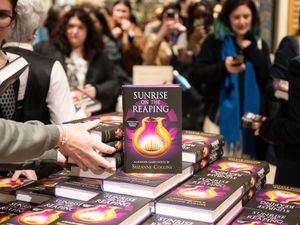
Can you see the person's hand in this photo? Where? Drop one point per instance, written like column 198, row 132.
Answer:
column 116, row 32
column 29, row 174
column 125, row 25
column 83, row 148
column 90, row 90
column 198, row 33
column 233, row 68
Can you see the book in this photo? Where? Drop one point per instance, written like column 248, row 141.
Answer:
column 40, row 192
column 252, row 120
column 80, row 97
column 14, row 208
column 9, row 186
column 152, row 74
column 148, row 185
column 202, row 198
column 198, row 145
column 79, row 188
column 236, row 167
column 111, row 117
column 115, row 159
column 256, row 217
column 5, row 197
column 107, row 132
column 45, row 213
column 281, row 88
column 171, row 220
column 11, row 72
column 152, row 128
column 107, row 208
column 212, row 157
column 277, row 199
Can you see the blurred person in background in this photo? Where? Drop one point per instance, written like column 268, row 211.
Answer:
column 77, row 43
column 129, row 37
column 235, row 85
column 183, row 6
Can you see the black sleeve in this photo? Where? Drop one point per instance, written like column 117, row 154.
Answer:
column 286, row 130
column 260, row 59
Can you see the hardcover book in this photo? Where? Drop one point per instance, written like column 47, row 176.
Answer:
column 256, row 217
column 11, row 72
column 111, row 117
column 79, row 188
column 107, row 132
column 9, row 186
column 45, row 213
column 252, row 120
column 11, row 209
column 148, row 185
column 152, row 128
column 212, row 157
column 110, row 209
column 235, row 167
column 202, row 198
column 80, row 97
column 277, row 199
column 40, row 192
column 198, row 145
column 281, row 89
column 170, row 220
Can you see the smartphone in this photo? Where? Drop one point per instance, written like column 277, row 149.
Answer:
column 238, row 60
column 252, row 120
column 171, row 15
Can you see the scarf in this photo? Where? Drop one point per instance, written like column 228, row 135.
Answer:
column 230, row 109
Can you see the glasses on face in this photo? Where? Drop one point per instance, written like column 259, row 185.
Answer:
column 5, row 20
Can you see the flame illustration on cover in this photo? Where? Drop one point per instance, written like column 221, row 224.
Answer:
column 153, row 145
column 282, row 196
column 8, row 183
column 198, row 193
column 97, row 214
column 43, row 217
column 4, row 216
column 191, row 138
column 255, row 223
column 235, row 166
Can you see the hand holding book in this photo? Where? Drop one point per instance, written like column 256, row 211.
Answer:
column 253, row 121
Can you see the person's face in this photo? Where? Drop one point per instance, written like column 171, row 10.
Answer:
column 120, row 12
column 76, row 32
column 5, row 12
column 240, row 20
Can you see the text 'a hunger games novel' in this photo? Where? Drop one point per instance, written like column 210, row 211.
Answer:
column 152, row 126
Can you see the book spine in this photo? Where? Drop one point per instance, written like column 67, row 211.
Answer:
column 208, row 160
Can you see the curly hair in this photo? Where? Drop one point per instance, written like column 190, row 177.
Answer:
column 93, row 44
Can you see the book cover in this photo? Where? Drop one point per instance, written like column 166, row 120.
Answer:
column 282, row 85
column 212, row 157
column 252, row 120
column 256, row 217
column 11, row 209
column 170, row 220
column 41, row 191
column 107, row 208
column 7, row 185
column 201, row 198
column 107, row 132
column 11, row 72
column 277, row 199
column 45, row 213
column 148, row 185
column 232, row 166
column 198, row 145
column 80, row 97
column 152, row 128
column 79, row 188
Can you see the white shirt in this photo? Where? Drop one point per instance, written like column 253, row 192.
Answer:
column 59, row 100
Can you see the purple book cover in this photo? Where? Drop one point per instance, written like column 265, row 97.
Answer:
column 106, row 208
column 152, row 126
column 277, row 199
column 143, row 179
column 202, row 192
column 256, row 217
column 46, row 213
column 8, row 185
column 169, row 220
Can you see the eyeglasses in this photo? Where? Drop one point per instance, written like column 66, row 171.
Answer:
column 5, row 20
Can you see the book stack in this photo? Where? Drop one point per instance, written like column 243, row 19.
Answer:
column 274, row 204
column 11, row 209
column 201, row 148
column 234, row 168
column 281, row 89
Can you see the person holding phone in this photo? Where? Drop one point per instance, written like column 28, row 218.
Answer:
column 234, row 63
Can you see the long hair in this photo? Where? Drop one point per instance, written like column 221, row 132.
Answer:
column 223, row 21
column 93, row 44
column 123, row 2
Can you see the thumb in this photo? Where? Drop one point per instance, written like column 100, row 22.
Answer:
column 89, row 125
column 16, row 175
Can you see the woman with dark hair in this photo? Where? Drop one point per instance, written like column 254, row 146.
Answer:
column 234, row 63
column 129, row 37
column 77, row 44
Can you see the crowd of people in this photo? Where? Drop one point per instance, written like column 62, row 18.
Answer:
column 216, row 45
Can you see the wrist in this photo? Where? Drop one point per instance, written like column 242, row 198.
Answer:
column 62, row 136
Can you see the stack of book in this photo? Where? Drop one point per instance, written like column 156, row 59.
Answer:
column 11, row 209
column 281, row 89
column 201, row 148
column 274, row 204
